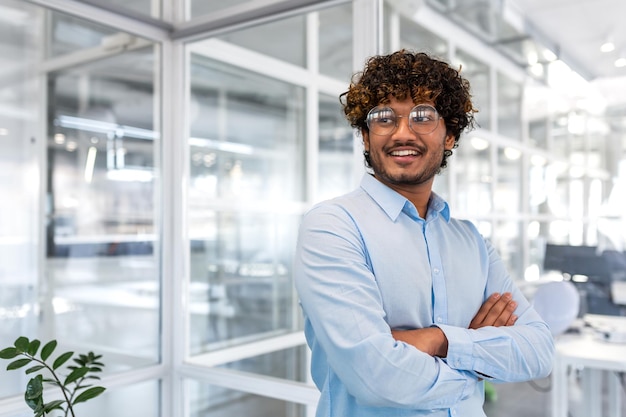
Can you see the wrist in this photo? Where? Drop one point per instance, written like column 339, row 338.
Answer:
column 442, row 346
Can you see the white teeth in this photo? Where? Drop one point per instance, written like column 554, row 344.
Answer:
column 403, row 153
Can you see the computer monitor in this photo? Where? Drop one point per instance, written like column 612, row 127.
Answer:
column 599, row 268
column 576, row 260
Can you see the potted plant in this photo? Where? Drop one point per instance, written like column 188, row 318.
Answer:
column 73, row 380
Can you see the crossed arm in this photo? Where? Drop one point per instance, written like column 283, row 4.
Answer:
column 496, row 311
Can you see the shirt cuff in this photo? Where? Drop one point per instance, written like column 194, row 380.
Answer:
column 460, row 347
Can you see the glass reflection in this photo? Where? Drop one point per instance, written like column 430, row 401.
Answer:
column 200, row 8
column 472, row 171
column 509, row 107
column 509, row 183
column 335, row 42
column 335, row 149
column 205, row 400
column 538, row 133
column 478, row 74
column 557, row 183
column 102, row 262
column 146, row 7
column 288, row 364
column 269, row 39
column 69, row 34
column 123, row 401
column 416, row 38
column 21, row 147
column 240, row 278
column 441, row 186
column 246, row 175
column 98, row 259
column 539, row 185
column 509, row 246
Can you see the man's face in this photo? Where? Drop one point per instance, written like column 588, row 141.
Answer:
column 405, row 158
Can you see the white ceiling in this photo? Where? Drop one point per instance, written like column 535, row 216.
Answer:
column 577, row 28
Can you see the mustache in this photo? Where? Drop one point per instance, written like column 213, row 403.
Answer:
column 404, row 146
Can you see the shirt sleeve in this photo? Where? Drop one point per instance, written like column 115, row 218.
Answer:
column 346, row 326
column 515, row 353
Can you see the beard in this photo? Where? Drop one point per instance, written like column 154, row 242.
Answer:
column 390, row 172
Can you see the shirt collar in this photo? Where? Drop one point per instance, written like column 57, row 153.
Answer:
column 393, row 203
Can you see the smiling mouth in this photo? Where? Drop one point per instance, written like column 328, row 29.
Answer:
column 404, row 153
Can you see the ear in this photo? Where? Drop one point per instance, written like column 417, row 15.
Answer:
column 449, row 142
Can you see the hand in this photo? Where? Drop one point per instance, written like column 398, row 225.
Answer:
column 496, row 311
column 430, row 340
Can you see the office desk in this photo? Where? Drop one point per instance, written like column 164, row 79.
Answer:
column 595, row 357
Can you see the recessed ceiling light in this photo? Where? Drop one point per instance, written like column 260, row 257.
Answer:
column 620, row 62
column 549, row 55
column 607, row 46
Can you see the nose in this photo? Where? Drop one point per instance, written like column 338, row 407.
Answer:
column 403, row 128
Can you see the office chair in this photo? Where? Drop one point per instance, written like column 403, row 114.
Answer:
column 558, row 303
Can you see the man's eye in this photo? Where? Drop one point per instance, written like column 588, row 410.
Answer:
column 384, row 118
column 422, row 117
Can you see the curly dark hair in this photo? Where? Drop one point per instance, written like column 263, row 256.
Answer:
column 417, row 75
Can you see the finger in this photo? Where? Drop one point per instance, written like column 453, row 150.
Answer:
column 484, row 310
column 505, row 316
column 500, row 312
column 512, row 320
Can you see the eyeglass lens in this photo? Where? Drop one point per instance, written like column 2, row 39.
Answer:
column 423, row 119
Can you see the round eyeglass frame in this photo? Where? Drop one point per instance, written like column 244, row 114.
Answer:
column 412, row 125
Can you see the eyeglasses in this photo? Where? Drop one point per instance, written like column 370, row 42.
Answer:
column 423, row 119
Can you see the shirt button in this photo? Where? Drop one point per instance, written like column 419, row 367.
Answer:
column 436, row 270
column 439, row 319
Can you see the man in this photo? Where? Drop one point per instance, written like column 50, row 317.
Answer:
column 407, row 310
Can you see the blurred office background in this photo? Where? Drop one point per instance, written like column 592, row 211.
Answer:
column 156, row 157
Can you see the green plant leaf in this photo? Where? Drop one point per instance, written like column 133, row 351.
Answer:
column 53, row 405
column 34, row 369
column 77, row 380
column 34, row 403
column 51, row 381
column 48, row 349
column 33, row 347
column 18, row 363
column 34, row 388
column 33, row 396
column 62, row 359
column 21, row 343
column 89, row 394
column 75, row 374
column 9, row 353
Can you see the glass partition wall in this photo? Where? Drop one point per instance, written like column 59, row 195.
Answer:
column 22, row 153
column 157, row 176
column 80, row 240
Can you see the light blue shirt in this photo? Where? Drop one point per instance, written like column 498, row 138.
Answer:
column 367, row 263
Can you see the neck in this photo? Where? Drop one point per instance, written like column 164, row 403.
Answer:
column 419, row 199
column 418, row 194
